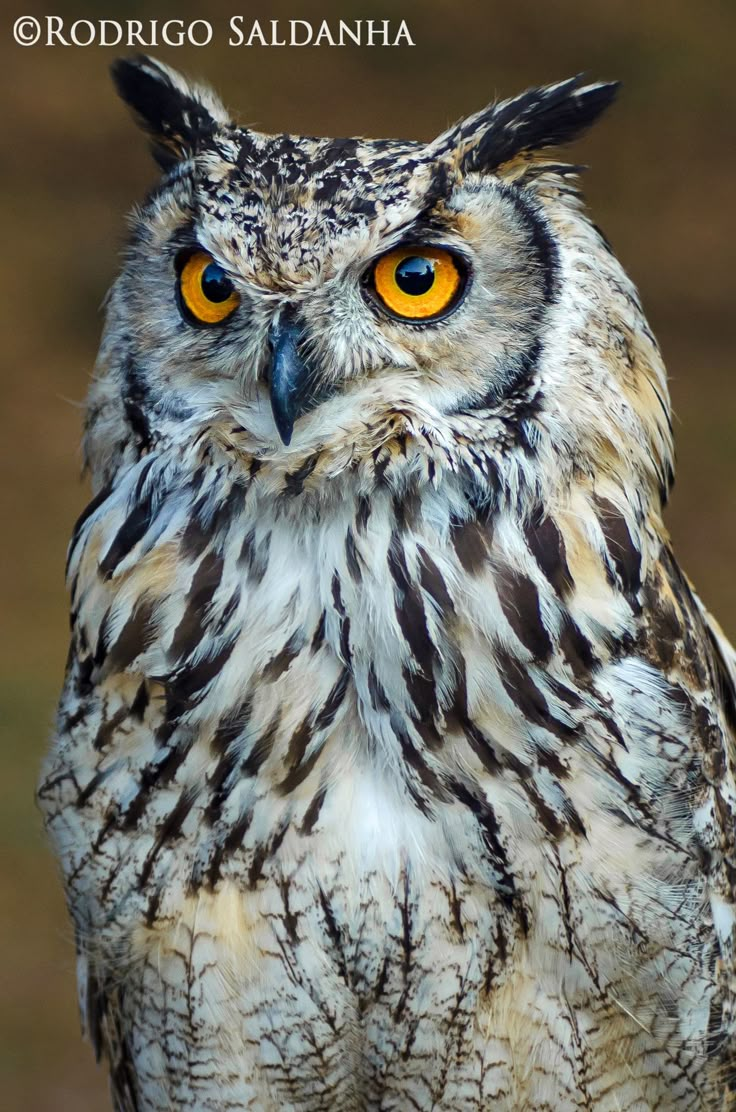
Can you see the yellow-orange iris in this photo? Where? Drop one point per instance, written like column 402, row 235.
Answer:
column 417, row 283
column 206, row 290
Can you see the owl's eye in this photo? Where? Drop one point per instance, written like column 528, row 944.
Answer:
column 418, row 283
column 207, row 294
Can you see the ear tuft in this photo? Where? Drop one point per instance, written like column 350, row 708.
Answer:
column 177, row 115
column 538, row 118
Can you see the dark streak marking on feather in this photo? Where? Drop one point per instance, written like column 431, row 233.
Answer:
column 521, row 604
column 621, row 548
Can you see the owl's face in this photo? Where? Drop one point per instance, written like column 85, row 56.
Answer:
column 323, row 293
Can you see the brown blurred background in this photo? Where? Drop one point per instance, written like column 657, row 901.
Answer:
column 664, row 163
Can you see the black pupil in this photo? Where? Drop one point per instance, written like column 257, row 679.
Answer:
column 415, row 275
column 216, row 286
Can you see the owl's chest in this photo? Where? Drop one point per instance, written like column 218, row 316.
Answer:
column 323, row 843
column 369, row 968
column 359, row 969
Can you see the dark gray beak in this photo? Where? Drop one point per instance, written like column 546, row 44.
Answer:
column 287, row 374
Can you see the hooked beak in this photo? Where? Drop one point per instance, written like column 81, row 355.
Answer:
column 287, row 373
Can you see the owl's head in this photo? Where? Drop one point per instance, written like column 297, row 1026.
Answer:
column 339, row 304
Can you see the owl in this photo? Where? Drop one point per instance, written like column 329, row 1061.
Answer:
column 394, row 764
